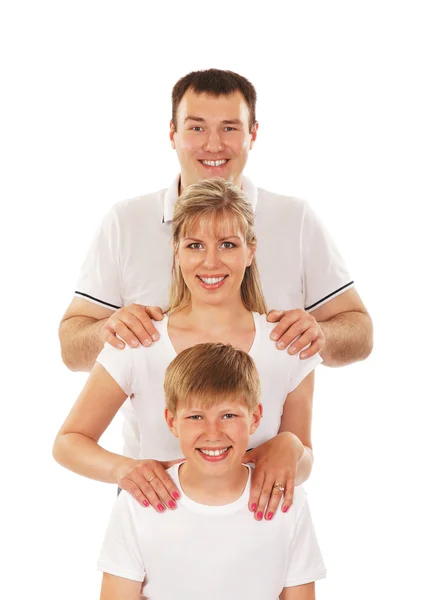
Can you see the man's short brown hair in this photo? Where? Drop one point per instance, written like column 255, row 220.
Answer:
column 216, row 83
column 211, row 372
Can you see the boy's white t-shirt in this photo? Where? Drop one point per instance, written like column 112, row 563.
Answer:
column 140, row 373
column 211, row 552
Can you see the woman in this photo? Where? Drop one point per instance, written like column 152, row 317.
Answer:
column 215, row 297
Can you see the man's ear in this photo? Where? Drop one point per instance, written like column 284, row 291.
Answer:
column 172, row 135
column 255, row 418
column 254, row 134
column 170, row 420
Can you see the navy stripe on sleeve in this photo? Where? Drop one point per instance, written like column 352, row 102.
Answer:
column 329, row 295
column 96, row 299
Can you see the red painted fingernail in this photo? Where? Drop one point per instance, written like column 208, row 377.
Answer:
column 270, row 515
column 175, row 495
column 285, row 509
column 145, row 503
column 253, row 507
column 160, row 507
column 259, row 515
column 172, row 504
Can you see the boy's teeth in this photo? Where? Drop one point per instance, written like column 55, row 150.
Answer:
column 213, row 163
column 214, row 452
column 211, row 280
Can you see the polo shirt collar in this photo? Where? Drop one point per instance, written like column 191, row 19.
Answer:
column 172, row 194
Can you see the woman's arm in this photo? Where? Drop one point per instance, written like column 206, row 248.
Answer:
column 76, row 445
column 118, row 588
column 298, row 592
column 297, row 420
column 287, row 457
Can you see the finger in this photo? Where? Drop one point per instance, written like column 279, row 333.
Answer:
column 298, row 328
column 154, row 312
column 121, row 329
column 290, row 318
column 249, row 456
column 315, row 347
column 264, row 498
column 274, row 316
column 110, row 337
column 288, row 495
column 144, row 327
column 170, row 487
column 304, row 340
column 145, row 487
column 162, row 492
column 134, row 490
column 274, row 499
column 255, row 490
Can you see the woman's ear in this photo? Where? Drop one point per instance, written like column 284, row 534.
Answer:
column 255, row 418
column 170, row 420
column 251, row 253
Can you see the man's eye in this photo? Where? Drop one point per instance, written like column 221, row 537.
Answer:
column 228, row 245
column 230, row 129
column 195, row 246
column 229, row 416
column 196, row 128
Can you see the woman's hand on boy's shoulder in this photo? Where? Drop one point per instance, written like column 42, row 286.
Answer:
column 148, row 482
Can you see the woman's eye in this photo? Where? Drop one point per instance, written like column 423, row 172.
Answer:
column 228, row 245
column 195, row 246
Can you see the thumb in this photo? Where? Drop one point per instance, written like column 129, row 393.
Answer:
column 154, row 312
column 250, row 456
column 274, row 316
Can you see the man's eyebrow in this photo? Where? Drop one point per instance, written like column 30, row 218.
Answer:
column 232, row 122
column 191, row 118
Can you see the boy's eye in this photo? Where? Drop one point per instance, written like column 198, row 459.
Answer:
column 229, row 416
column 194, row 417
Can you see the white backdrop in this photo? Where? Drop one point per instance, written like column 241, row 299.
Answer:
column 84, row 123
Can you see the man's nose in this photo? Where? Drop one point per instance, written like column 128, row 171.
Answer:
column 213, row 142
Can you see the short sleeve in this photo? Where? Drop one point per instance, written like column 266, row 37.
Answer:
column 302, row 368
column 324, row 272
column 119, row 364
column 121, row 553
column 100, row 275
column 305, row 559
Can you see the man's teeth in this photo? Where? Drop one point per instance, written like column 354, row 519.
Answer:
column 213, row 452
column 211, row 280
column 214, row 163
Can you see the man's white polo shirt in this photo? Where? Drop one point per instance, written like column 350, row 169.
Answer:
column 130, row 258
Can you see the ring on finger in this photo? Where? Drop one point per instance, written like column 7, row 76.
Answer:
column 279, row 487
column 151, row 478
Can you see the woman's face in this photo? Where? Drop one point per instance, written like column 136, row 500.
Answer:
column 213, row 257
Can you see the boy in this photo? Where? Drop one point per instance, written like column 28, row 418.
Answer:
column 211, row 548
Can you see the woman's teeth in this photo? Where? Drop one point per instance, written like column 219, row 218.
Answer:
column 214, row 163
column 212, row 280
column 214, row 452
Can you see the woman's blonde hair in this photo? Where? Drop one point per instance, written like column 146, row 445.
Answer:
column 208, row 200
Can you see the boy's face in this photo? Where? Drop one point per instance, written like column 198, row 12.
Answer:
column 214, row 439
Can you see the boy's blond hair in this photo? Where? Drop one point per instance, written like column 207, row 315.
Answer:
column 205, row 202
column 211, row 372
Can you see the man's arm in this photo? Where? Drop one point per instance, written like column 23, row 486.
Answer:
column 118, row 588
column 80, row 333
column 348, row 329
column 298, row 592
column 86, row 326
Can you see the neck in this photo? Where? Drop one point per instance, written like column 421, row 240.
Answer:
column 201, row 316
column 213, row 490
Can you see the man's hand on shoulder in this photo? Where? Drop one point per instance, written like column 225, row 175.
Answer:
column 133, row 324
column 296, row 323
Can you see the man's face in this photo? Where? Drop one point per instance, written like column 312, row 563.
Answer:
column 214, row 440
column 212, row 137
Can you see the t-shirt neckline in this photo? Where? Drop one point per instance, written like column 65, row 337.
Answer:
column 255, row 342
column 224, row 509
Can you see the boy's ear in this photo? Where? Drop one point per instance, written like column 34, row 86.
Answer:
column 255, row 418
column 170, row 420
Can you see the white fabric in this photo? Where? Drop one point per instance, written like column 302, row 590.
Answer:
column 211, row 552
column 140, row 373
column 129, row 260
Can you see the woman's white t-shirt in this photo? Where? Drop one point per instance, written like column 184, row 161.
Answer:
column 140, row 374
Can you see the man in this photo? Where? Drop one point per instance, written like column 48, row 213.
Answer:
column 124, row 280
